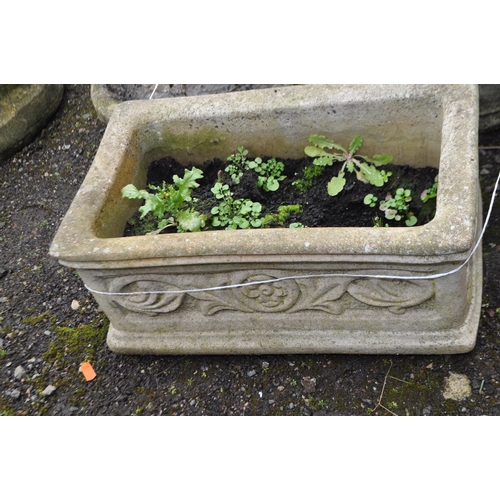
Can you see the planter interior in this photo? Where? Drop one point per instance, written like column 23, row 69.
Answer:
column 432, row 125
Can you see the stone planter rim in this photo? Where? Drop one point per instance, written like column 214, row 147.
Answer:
column 450, row 235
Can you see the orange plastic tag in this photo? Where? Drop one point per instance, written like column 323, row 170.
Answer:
column 88, row 371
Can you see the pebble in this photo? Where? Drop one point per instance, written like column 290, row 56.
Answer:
column 75, row 305
column 48, row 390
column 309, row 384
column 1, row 343
column 265, row 364
column 19, row 372
column 14, row 394
column 251, row 373
column 497, row 158
column 457, row 387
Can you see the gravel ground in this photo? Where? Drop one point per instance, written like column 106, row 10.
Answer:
column 49, row 324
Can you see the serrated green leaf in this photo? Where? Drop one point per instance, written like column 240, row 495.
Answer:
column 336, row 185
column 355, row 144
column 130, row 191
column 152, row 204
column 322, row 142
column 371, row 174
column 190, row 221
column 324, row 161
column 188, row 182
column 379, row 160
column 314, row 151
column 350, row 166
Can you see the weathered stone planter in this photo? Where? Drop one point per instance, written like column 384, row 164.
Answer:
column 419, row 125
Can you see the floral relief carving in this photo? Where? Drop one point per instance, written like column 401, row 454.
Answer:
column 261, row 294
column 278, row 296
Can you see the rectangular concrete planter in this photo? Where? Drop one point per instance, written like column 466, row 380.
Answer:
column 419, row 125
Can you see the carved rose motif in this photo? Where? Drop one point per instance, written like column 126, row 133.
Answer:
column 269, row 297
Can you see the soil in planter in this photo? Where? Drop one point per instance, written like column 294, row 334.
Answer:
column 319, row 209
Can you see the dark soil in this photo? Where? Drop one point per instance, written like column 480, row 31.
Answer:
column 319, row 209
column 43, row 333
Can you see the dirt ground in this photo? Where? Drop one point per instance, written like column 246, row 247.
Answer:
column 50, row 324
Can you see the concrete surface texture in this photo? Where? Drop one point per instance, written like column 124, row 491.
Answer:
column 24, row 110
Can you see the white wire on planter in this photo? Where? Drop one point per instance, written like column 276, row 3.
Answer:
column 325, row 275
column 153, row 93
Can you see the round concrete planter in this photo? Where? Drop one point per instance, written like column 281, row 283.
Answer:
column 24, row 110
column 311, row 290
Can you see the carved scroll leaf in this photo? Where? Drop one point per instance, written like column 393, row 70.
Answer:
column 149, row 303
column 322, row 294
column 396, row 295
column 212, row 302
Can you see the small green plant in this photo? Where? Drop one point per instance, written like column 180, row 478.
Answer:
column 397, row 208
column 378, row 222
column 284, row 211
column 234, row 214
column 172, row 199
column 237, row 163
column 293, row 383
column 370, row 200
column 172, row 389
column 430, row 193
column 308, row 175
column 364, row 167
column 269, row 173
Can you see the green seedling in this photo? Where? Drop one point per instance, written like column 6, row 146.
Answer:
column 370, row 200
column 430, row 193
column 269, row 172
column 237, row 163
column 378, row 222
column 172, row 200
column 364, row 167
column 234, row 214
column 397, row 208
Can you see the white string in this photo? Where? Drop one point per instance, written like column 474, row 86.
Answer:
column 153, row 93
column 325, row 275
